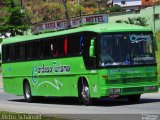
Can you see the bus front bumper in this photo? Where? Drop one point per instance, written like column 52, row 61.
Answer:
column 129, row 89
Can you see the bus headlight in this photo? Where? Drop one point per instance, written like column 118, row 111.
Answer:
column 114, row 91
column 150, row 88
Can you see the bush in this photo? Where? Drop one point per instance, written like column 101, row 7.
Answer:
column 115, row 8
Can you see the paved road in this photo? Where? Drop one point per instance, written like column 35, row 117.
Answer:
column 70, row 108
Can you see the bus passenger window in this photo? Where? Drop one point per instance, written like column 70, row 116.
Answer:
column 65, row 47
column 51, row 47
column 60, row 47
column 21, row 51
column 10, row 50
column 54, row 48
column 74, row 44
column 45, row 48
column 32, row 50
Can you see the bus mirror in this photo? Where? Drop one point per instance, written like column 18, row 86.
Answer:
column 92, row 48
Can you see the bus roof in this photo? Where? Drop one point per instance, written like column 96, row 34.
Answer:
column 98, row 28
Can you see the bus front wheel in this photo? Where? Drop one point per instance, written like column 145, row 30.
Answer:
column 134, row 98
column 84, row 93
column 27, row 92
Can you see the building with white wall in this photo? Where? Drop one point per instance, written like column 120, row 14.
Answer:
column 128, row 4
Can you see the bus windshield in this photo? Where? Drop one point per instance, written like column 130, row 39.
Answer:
column 126, row 49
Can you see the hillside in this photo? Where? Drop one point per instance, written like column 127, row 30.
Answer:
column 47, row 10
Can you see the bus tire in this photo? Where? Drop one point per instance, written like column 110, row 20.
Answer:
column 134, row 98
column 27, row 92
column 84, row 93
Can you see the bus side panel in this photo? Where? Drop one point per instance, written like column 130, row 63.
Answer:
column 93, row 83
column 13, row 85
column 52, row 86
column 54, row 77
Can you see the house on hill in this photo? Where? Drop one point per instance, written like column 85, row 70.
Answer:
column 146, row 3
column 130, row 5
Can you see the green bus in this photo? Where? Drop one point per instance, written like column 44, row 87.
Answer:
column 88, row 62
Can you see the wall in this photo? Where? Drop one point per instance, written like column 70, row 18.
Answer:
column 127, row 2
column 147, row 13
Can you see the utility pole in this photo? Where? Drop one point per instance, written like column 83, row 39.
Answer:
column 22, row 7
column 24, row 10
column 21, row 3
column 80, row 11
column 154, row 26
column 98, row 2
column 67, row 14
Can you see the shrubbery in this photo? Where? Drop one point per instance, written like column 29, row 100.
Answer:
column 115, row 8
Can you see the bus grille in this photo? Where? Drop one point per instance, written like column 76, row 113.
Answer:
column 131, row 80
column 135, row 80
column 133, row 89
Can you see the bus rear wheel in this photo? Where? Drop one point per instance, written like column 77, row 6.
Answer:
column 84, row 93
column 134, row 98
column 27, row 92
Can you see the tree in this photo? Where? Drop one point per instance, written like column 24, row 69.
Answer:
column 15, row 20
column 115, row 8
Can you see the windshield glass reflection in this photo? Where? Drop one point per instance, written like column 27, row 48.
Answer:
column 126, row 49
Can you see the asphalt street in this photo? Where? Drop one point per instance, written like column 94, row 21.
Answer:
column 105, row 109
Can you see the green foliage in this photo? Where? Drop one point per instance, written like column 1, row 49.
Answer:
column 115, row 8
column 74, row 10
column 158, row 38
column 1, row 40
column 42, row 11
column 14, row 22
column 89, row 3
column 158, row 53
column 141, row 21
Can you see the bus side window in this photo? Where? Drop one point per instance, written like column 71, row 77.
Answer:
column 60, row 47
column 32, row 50
column 45, row 48
column 89, row 62
column 54, row 48
column 7, row 53
column 41, row 47
column 29, row 50
column 74, row 44
column 65, row 46
column 10, row 52
column 21, row 51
